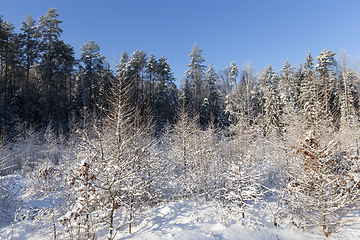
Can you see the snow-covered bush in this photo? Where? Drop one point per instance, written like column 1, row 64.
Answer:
column 324, row 182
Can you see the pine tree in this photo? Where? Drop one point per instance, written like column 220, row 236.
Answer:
column 309, row 64
column 287, row 80
column 2, row 34
column 326, row 61
column 6, row 64
column 215, row 111
column 50, row 31
column 65, row 61
column 137, row 63
column 151, row 71
column 347, row 90
column 12, row 73
column 117, row 170
column 268, row 84
column 30, row 38
column 309, row 93
column 123, row 73
column 233, row 73
column 287, row 93
column 92, row 61
column 243, row 102
column 195, row 75
column 166, row 79
column 186, row 96
column 122, row 66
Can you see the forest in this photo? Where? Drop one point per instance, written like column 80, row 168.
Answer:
column 100, row 146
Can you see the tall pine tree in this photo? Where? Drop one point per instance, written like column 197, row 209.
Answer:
column 50, row 31
column 30, row 38
column 195, row 75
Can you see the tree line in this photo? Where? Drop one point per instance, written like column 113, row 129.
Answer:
column 42, row 82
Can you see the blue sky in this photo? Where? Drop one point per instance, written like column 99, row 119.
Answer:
column 262, row 31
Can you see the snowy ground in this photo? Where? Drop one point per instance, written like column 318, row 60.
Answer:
column 182, row 220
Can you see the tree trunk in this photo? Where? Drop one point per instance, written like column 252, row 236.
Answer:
column 27, row 94
column 326, row 90
column 111, row 225
column 324, row 226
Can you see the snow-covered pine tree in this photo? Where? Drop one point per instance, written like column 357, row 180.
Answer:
column 347, row 87
column 233, row 73
column 212, row 105
column 346, row 92
column 195, row 74
column 242, row 102
column 287, row 92
column 268, row 84
column 309, row 92
column 326, row 62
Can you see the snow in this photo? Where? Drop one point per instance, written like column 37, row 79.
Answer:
column 356, row 177
column 184, row 219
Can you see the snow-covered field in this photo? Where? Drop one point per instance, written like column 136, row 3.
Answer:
column 184, row 219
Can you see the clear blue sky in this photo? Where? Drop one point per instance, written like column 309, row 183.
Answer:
column 266, row 32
